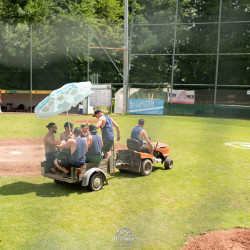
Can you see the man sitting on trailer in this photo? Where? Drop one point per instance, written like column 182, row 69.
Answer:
column 67, row 134
column 138, row 133
column 78, row 148
column 95, row 145
column 50, row 143
column 84, row 132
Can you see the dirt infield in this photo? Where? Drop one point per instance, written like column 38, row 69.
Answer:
column 236, row 239
column 23, row 156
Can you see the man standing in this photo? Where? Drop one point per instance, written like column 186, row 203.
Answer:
column 67, row 133
column 95, row 145
column 50, row 146
column 78, row 148
column 138, row 133
column 106, row 124
column 84, row 132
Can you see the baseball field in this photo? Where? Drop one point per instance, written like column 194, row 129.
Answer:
column 207, row 189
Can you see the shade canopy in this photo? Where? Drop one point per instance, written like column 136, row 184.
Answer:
column 62, row 99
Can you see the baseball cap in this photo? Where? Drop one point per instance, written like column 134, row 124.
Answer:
column 77, row 131
column 66, row 124
column 96, row 112
column 83, row 125
column 92, row 128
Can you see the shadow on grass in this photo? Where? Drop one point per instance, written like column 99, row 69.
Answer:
column 129, row 174
column 42, row 190
column 156, row 168
column 125, row 175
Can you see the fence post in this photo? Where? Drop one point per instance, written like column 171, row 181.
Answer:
column 31, row 68
column 173, row 57
column 88, row 55
column 217, row 56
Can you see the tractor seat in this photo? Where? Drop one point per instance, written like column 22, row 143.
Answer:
column 134, row 144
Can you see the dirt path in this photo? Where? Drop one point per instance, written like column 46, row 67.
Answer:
column 236, row 239
column 23, row 156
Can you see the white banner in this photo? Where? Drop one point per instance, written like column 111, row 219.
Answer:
column 182, row 96
column 101, row 95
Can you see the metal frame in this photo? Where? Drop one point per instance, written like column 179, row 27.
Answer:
column 31, row 66
column 217, row 54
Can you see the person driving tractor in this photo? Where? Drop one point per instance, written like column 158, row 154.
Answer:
column 138, row 133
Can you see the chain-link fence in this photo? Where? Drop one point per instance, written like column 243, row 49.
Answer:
column 209, row 55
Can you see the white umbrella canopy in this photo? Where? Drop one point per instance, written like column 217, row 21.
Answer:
column 62, row 99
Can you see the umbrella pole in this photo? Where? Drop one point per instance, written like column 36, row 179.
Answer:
column 70, row 132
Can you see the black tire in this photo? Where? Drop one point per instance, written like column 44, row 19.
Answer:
column 59, row 182
column 146, row 167
column 168, row 163
column 96, row 182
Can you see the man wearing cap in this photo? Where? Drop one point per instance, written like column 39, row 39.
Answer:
column 95, row 145
column 78, row 148
column 138, row 133
column 67, row 133
column 84, row 132
column 106, row 124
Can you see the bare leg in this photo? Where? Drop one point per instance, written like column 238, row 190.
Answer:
column 148, row 148
column 106, row 154
column 59, row 167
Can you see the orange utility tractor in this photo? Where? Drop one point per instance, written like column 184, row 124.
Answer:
column 134, row 159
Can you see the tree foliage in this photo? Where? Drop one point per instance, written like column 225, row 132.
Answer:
column 61, row 30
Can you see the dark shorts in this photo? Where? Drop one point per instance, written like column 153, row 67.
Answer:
column 50, row 158
column 63, row 158
column 107, row 145
column 64, row 162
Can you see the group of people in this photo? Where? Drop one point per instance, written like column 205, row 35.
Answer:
column 83, row 144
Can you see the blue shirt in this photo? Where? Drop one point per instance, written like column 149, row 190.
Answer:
column 107, row 130
column 135, row 134
column 96, row 147
column 78, row 157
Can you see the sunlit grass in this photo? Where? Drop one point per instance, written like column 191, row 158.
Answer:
column 206, row 190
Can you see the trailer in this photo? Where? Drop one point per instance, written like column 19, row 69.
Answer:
column 91, row 175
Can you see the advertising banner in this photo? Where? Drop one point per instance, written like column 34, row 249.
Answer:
column 182, row 96
column 146, row 106
column 101, row 96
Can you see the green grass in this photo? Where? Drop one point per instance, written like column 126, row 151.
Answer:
column 206, row 190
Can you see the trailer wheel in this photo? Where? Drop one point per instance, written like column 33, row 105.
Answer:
column 146, row 167
column 96, row 182
column 168, row 163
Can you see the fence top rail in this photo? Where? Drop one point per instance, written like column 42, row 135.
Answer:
column 192, row 54
column 190, row 23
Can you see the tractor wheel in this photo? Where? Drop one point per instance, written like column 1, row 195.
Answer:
column 168, row 163
column 146, row 167
column 96, row 182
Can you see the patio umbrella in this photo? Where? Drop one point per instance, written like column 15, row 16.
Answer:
column 61, row 100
